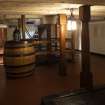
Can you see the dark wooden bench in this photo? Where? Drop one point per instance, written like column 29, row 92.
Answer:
column 95, row 96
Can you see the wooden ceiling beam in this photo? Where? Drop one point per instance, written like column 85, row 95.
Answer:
column 16, row 7
column 91, row 2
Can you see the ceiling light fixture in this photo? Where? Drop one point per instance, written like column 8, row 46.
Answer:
column 71, row 23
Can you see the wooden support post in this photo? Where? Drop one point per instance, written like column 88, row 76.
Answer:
column 19, row 23
column 56, row 37
column 49, row 36
column 5, row 35
column 62, row 21
column 41, row 29
column 19, row 27
column 85, row 75
column 49, row 42
column 39, row 33
column 23, row 26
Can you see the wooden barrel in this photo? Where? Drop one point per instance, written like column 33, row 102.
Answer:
column 19, row 58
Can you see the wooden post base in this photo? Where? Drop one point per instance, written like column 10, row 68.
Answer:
column 86, row 80
column 62, row 69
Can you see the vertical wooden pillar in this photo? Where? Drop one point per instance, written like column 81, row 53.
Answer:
column 5, row 34
column 49, row 37
column 41, row 29
column 85, row 75
column 3, row 37
column 19, row 23
column 49, row 42
column 56, row 36
column 19, row 27
column 23, row 26
column 62, row 21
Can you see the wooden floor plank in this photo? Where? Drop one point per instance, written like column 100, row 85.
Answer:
column 46, row 81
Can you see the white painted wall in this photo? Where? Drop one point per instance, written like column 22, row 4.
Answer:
column 49, row 19
column 78, row 36
column 11, row 27
column 30, row 27
column 97, row 37
column 96, row 34
column 10, row 34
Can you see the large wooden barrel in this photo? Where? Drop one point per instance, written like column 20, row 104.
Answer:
column 19, row 58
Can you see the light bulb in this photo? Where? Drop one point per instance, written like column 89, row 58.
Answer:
column 71, row 25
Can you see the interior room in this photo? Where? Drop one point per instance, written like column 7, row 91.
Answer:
column 52, row 52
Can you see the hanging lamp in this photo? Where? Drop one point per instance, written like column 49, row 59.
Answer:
column 71, row 23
